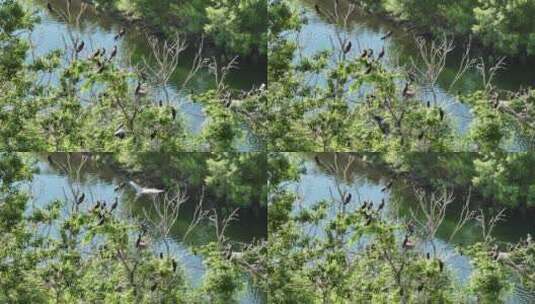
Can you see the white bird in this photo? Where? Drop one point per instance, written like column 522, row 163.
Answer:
column 144, row 191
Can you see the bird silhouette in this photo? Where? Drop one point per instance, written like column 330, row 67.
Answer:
column 173, row 113
column 80, row 199
column 381, row 54
column 120, row 34
column 441, row 114
column 381, row 205
column 317, row 8
column 113, row 52
column 347, row 198
column 173, row 262
column 347, row 47
column 408, row 92
column 120, row 133
column 80, row 47
column 115, row 204
column 50, row 7
column 387, row 35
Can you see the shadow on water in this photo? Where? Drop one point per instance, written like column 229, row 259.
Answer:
column 99, row 180
column 366, row 178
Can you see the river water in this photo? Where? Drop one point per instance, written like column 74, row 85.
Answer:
column 98, row 182
column 365, row 182
column 98, row 31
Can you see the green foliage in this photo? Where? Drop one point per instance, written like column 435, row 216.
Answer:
column 92, row 254
column 505, row 26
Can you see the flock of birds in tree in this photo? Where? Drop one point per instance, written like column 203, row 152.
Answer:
column 408, row 91
column 370, row 213
column 101, row 62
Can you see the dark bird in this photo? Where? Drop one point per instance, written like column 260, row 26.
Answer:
column 381, row 205
column 440, row 265
column 80, row 199
column 120, row 133
column 96, row 207
column 410, row 227
column 427, row 256
column 173, row 262
column 347, row 198
column 381, row 54
column 364, row 54
column 347, row 47
column 50, row 7
column 140, row 90
column 161, row 255
column 317, row 8
column 160, row 103
column 385, row 128
column 388, row 186
column 140, row 243
column 407, row 243
column 441, row 114
column 113, row 52
column 387, row 35
column 80, row 47
column 120, row 34
column 364, row 206
column 121, row 185
column 408, row 92
column 421, row 135
column 173, row 113
column 115, row 204
column 95, row 54
column 318, row 162
column 428, row 104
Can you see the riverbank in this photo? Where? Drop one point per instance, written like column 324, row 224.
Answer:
column 489, row 27
column 218, row 27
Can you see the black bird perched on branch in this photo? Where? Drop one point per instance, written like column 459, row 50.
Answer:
column 318, row 162
column 381, row 205
column 80, row 199
column 161, row 255
column 440, row 265
column 95, row 54
column 408, row 92
column 50, row 7
column 317, row 8
column 407, row 243
column 120, row 34
column 120, row 133
column 388, row 186
column 173, row 113
column 115, row 204
column 173, row 262
column 381, row 54
column 113, row 52
column 441, row 114
column 80, row 47
column 347, row 198
column 347, row 47
column 421, row 135
column 387, row 35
